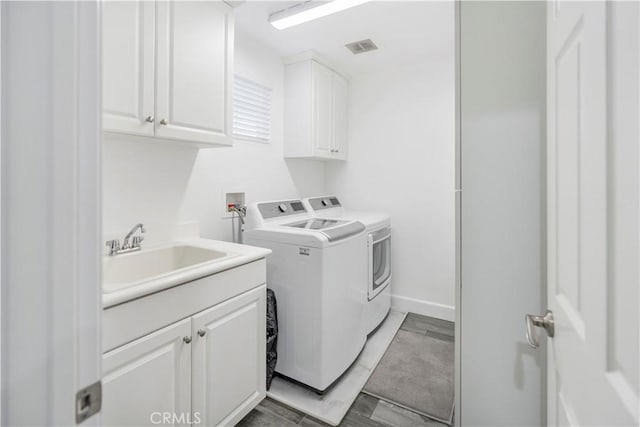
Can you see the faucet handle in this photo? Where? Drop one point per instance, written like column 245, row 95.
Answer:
column 114, row 246
column 136, row 241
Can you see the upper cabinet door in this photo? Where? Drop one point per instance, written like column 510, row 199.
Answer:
column 128, row 66
column 195, row 71
column 322, row 109
column 340, row 114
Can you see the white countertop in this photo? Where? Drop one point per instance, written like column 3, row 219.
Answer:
column 237, row 255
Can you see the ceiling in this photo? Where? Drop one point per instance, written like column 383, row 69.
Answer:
column 406, row 32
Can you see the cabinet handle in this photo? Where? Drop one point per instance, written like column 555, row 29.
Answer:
column 186, row 340
column 163, row 122
column 202, row 332
column 149, row 119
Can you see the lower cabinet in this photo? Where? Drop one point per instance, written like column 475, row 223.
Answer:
column 229, row 359
column 148, row 376
column 206, row 370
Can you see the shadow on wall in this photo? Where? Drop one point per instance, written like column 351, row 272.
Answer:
column 147, row 178
column 305, row 182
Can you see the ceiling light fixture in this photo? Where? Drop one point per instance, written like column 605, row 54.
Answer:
column 308, row 11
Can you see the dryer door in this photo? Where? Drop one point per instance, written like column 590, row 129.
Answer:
column 379, row 261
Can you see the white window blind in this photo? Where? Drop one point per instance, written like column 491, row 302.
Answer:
column 251, row 110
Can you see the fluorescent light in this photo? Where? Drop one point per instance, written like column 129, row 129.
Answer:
column 307, row 11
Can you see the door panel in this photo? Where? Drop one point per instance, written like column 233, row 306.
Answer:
column 502, row 109
column 128, row 66
column 322, row 101
column 340, row 114
column 149, row 376
column 195, row 51
column 589, row 259
column 229, row 357
column 50, row 209
column 623, row 40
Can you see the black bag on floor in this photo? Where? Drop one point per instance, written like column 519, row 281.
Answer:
column 272, row 335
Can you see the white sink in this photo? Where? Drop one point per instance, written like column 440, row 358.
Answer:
column 128, row 270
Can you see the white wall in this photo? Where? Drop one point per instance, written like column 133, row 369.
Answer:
column 503, row 211
column 401, row 161
column 161, row 184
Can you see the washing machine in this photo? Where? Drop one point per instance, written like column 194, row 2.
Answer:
column 317, row 271
column 378, row 225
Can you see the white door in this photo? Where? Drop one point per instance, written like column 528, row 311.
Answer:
column 128, row 57
column 149, row 377
column 322, row 110
column 340, row 112
column 51, row 232
column 229, row 360
column 593, row 213
column 194, row 71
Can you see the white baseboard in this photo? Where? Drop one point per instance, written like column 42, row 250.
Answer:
column 426, row 308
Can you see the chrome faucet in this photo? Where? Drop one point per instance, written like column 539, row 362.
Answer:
column 136, row 239
column 116, row 249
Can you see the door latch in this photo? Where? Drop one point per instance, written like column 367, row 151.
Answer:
column 545, row 322
column 88, row 401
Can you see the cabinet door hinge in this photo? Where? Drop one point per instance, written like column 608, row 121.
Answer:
column 88, row 401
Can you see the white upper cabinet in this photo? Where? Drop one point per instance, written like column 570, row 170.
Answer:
column 128, row 66
column 315, row 111
column 195, row 53
column 168, row 69
column 340, row 96
column 322, row 110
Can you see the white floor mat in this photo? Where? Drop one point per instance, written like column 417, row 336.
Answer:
column 334, row 404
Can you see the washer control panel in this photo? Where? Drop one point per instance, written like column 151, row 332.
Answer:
column 327, row 202
column 280, row 209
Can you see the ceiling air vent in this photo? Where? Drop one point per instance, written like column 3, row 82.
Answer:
column 361, row 46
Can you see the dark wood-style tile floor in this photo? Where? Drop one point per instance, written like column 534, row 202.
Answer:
column 366, row 411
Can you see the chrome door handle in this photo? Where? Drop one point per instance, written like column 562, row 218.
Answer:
column 186, row 340
column 149, row 119
column 545, row 322
column 163, row 122
column 202, row 332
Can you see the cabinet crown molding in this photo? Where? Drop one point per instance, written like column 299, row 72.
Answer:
column 312, row 55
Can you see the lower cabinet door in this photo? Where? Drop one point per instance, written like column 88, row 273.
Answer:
column 229, row 352
column 148, row 381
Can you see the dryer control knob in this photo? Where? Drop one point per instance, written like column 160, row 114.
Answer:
column 282, row 207
column 325, row 202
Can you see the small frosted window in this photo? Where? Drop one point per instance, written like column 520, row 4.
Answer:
column 251, row 110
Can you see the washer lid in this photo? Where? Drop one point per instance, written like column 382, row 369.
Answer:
column 316, row 223
column 371, row 220
column 333, row 229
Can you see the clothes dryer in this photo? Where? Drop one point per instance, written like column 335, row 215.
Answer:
column 378, row 225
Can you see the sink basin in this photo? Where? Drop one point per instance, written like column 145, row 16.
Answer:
column 127, row 270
